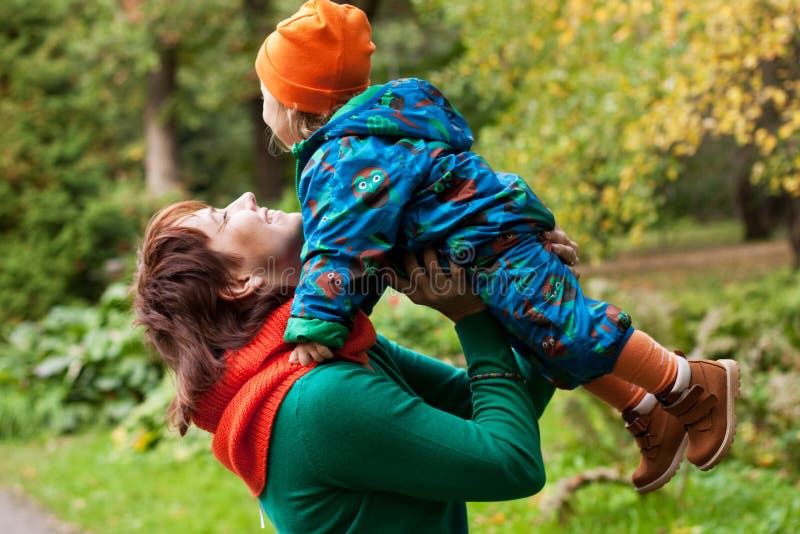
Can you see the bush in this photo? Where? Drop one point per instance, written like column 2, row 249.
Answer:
column 416, row 327
column 757, row 324
column 75, row 367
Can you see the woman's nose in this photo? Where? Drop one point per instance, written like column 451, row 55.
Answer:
column 245, row 202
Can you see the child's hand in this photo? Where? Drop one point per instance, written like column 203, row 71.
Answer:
column 310, row 351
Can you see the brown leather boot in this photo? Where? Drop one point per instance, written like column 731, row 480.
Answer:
column 662, row 440
column 706, row 409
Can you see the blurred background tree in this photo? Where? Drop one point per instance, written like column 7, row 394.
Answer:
column 603, row 105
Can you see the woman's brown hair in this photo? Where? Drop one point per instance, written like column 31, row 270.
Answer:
column 177, row 299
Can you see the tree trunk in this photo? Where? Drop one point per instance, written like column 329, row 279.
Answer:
column 270, row 171
column 794, row 230
column 369, row 7
column 161, row 156
column 750, row 200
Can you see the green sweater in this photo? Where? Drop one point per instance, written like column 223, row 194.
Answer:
column 400, row 448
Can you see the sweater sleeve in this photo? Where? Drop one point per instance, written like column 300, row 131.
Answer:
column 352, row 210
column 363, row 432
column 439, row 384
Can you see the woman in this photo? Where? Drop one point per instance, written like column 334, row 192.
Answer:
column 380, row 438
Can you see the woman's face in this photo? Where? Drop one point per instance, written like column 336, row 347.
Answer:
column 275, row 116
column 267, row 241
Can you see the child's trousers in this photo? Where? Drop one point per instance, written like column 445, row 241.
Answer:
column 570, row 338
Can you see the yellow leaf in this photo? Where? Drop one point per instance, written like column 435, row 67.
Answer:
column 767, row 144
column 766, row 459
column 792, row 184
column 758, row 171
column 786, row 130
column 498, row 519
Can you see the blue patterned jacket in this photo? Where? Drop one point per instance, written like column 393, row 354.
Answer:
column 392, row 172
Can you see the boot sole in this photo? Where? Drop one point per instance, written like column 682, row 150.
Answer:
column 732, row 373
column 670, row 472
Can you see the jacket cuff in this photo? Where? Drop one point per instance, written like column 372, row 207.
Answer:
column 328, row 333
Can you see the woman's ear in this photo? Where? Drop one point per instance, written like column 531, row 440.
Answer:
column 242, row 287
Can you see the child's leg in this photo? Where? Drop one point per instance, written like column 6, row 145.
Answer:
column 700, row 394
column 661, row 437
column 574, row 339
column 616, row 392
column 644, row 362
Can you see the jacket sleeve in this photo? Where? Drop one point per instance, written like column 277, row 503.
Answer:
column 352, row 204
column 366, row 434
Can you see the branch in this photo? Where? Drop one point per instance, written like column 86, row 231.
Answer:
column 557, row 502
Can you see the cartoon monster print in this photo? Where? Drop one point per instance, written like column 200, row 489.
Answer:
column 378, row 125
column 368, row 263
column 453, row 188
column 397, row 104
column 557, row 290
column 532, row 315
column 618, row 317
column 331, row 283
column 371, row 187
column 504, row 241
column 553, row 347
column 366, row 271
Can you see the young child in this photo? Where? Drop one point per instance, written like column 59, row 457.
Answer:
column 387, row 169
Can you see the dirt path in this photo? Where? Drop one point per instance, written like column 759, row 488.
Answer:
column 734, row 262
column 20, row 515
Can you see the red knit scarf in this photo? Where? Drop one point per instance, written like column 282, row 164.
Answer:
column 241, row 407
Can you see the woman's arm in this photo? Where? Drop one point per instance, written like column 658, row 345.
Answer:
column 439, row 384
column 363, row 432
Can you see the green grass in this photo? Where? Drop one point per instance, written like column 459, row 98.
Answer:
column 86, row 482
column 579, row 435
column 681, row 234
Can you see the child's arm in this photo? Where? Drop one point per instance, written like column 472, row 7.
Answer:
column 352, row 211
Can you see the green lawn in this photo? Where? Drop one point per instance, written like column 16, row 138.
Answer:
column 86, row 482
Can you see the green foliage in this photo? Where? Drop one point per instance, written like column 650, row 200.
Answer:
column 77, row 366
column 68, row 203
column 416, row 327
column 758, row 325
column 755, row 322
column 597, row 103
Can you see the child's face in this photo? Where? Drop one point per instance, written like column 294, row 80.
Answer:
column 275, row 116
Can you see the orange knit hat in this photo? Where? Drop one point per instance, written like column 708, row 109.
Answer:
column 318, row 57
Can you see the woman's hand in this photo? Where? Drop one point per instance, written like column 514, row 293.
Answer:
column 449, row 293
column 558, row 242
